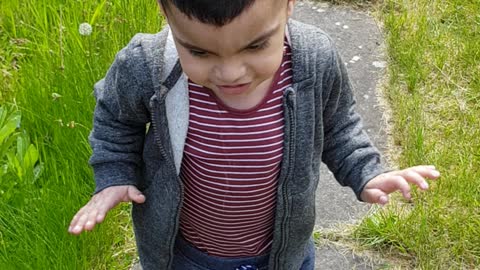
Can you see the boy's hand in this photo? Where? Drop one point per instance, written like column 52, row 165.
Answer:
column 377, row 189
column 96, row 209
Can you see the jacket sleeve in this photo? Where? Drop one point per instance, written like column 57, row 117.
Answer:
column 348, row 151
column 120, row 118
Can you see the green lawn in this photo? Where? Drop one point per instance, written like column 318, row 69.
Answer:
column 47, row 72
column 434, row 90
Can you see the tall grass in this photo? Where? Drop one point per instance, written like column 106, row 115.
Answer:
column 49, row 71
column 434, row 91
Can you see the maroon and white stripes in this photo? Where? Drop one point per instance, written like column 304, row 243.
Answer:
column 230, row 169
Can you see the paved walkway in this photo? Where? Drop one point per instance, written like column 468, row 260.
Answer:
column 359, row 41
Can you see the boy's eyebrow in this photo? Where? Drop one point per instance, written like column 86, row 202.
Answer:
column 260, row 38
column 263, row 36
column 190, row 46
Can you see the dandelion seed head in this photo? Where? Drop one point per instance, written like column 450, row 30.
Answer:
column 56, row 96
column 85, row 29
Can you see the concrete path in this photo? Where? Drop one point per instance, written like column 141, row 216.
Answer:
column 359, row 41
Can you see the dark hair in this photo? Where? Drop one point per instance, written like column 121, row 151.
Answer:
column 214, row 12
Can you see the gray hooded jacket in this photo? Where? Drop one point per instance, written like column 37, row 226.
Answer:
column 141, row 121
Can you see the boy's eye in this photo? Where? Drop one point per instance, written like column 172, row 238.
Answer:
column 198, row 53
column 259, row 46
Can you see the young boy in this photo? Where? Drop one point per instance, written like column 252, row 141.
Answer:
column 243, row 105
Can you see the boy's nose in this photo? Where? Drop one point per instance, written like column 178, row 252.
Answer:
column 230, row 72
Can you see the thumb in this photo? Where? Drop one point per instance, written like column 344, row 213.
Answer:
column 135, row 195
column 375, row 195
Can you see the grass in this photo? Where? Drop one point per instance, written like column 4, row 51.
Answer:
column 47, row 71
column 434, row 92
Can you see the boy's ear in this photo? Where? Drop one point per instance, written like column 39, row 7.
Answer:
column 291, row 4
column 162, row 10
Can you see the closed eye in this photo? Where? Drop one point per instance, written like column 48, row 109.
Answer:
column 197, row 53
column 255, row 47
column 258, row 46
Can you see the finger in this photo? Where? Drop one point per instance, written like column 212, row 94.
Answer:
column 78, row 228
column 422, row 167
column 432, row 174
column 396, row 182
column 72, row 224
column 103, row 211
column 105, row 202
column 75, row 219
column 100, row 217
column 135, row 195
column 108, row 199
column 426, row 171
column 375, row 196
column 91, row 219
column 415, row 178
column 429, row 172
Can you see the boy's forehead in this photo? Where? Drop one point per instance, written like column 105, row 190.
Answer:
column 268, row 5
column 259, row 8
column 262, row 17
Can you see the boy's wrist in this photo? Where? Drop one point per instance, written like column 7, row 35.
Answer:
column 113, row 174
column 361, row 188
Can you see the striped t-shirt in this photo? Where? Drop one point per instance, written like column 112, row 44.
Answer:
column 230, row 168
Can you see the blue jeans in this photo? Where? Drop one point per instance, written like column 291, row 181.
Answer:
column 188, row 257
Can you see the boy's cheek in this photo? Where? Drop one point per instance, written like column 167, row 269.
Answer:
column 195, row 71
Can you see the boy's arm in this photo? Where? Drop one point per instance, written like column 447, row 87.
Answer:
column 348, row 151
column 120, row 119
column 117, row 137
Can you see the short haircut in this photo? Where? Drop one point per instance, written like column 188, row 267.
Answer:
column 214, row 12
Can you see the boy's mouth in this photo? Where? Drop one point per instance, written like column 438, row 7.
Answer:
column 234, row 88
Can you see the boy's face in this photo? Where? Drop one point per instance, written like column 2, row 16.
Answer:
column 238, row 60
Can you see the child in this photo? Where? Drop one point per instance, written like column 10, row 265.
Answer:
column 243, row 104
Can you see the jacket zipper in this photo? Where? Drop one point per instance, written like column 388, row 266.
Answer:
column 154, row 102
column 291, row 131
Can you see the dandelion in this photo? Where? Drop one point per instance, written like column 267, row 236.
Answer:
column 85, row 29
column 56, row 96
column 6, row 73
column 60, row 122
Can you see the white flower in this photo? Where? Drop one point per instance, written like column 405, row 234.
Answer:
column 85, row 29
column 56, row 96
